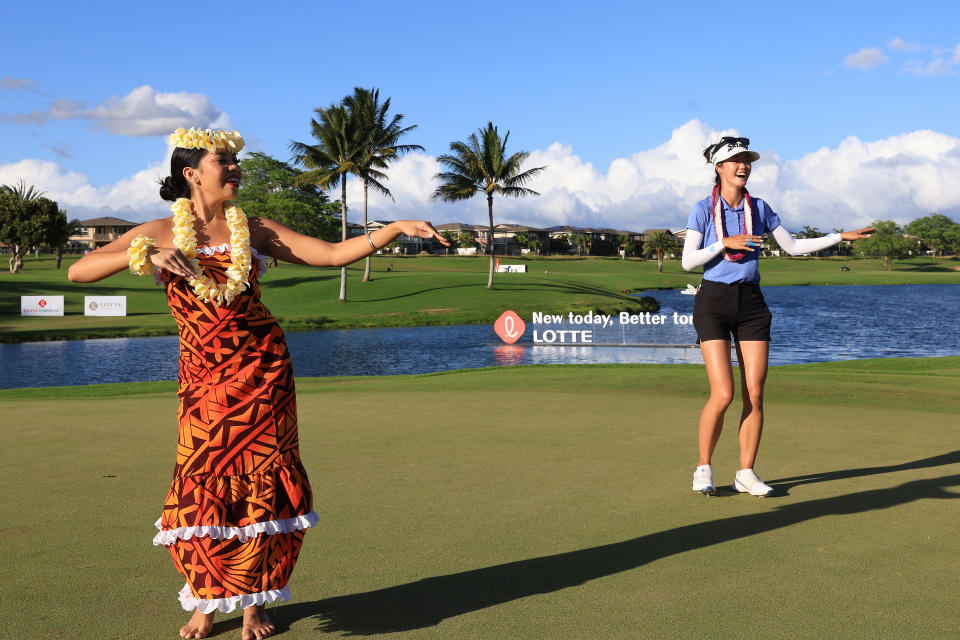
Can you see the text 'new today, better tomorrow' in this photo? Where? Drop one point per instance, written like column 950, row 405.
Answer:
column 582, row 328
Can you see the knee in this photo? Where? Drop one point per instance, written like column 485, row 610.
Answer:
column 753, row 397
column 721, row 398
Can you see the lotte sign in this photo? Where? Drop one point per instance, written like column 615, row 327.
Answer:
column 509, row 326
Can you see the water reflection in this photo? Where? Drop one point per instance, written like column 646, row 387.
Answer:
column 509, row 354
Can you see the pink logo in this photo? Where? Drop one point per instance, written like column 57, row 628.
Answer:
column 509, row 326
column 42, row 303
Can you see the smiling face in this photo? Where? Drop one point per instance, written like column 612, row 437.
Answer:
column 735, row 172
column 216, row 178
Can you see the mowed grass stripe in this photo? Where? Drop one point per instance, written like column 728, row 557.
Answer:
column 535, row 502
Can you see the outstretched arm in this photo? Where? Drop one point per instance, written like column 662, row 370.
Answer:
column 808, row 245
column 283, row 243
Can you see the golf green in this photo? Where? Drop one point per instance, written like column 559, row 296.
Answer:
column 524, row 502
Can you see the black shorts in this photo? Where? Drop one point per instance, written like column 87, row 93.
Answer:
column 720, row 310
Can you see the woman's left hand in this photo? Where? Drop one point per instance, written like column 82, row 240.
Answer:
column 858, row 234
column 420, row 229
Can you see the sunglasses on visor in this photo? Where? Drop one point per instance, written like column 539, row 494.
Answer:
column 730, row 141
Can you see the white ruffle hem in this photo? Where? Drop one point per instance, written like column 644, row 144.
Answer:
column 226, row 605
column 270, row 527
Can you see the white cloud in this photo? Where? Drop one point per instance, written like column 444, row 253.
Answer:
column 146, row 112
column 866, row 59
column 956, row 55
column 829, row 188
column 900, row 178
column 142, row 112
column 899, row 44
column 935, row 67
column 135, row 198
column 6, row 82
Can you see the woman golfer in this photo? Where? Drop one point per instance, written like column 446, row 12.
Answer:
column 723, row 234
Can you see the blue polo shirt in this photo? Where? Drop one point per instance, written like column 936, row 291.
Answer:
column 747, row 268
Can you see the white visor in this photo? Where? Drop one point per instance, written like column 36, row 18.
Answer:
column 731, row 149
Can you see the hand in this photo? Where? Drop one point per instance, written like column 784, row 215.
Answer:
column 858, row 234
column 742, row 243
column 173, row 260
column 420, row 229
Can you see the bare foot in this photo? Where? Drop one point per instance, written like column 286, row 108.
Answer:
column 256, row 624
column 199, row 626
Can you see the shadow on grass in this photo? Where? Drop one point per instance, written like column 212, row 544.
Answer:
column 929, row 268
column 558, row 285
column 783, row 485
column 428, row 602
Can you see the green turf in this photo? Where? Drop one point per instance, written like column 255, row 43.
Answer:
column 527, row 502
column 419, row 291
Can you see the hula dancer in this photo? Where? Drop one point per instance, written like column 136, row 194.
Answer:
column 236, row 512
column 723, row 234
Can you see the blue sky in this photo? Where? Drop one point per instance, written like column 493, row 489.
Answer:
column 613, row 97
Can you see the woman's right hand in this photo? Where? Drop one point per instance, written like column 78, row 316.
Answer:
column 173, row 260
column 743, row 242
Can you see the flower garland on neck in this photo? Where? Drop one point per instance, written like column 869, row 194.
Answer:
column 185, row 239
column 732, row 256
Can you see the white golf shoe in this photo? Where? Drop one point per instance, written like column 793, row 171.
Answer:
column 703, row 480
column 747, row 481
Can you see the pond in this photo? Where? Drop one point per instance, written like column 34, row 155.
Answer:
column 810, row 324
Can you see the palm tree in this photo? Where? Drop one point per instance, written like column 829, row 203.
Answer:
column 481, row 165
column 21, row 191
column 338, row 153
column 658, row 243
column 20, row 194
column 379, row 146
column 581, row 240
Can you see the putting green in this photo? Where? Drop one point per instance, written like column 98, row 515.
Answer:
column 529, row 502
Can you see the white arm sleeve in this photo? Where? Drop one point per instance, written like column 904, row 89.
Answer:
column 693, row 255
column 805, row 245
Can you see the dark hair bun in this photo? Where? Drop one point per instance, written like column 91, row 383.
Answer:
column 171, row 189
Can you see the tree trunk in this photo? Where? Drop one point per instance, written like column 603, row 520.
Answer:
column 366, row 267
column 16, row 259
column 59, row 254
column 343, row 234
column 659, row 261
column 490, row 238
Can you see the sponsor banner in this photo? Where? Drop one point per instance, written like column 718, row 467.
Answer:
column 511, row 268
column 622, row 328
column 104, row 305
column 41, row 305
column 645, row 329
column 509, row 326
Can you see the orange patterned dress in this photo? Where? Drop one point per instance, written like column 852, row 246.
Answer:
column 240, row 500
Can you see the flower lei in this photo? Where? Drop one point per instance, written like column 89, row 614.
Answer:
column 185, row 239
column 732, row 256
column 212, row 141
column 138, row 252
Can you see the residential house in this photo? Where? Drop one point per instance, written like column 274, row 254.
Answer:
column 96, row 233
column 505, row 238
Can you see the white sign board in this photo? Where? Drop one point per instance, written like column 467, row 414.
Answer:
column 104, row 305
column 512, row 268
column 41, row 305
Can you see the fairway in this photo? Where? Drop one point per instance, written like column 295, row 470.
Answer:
column 525, row 502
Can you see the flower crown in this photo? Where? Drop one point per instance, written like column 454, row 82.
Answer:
column 212, row 141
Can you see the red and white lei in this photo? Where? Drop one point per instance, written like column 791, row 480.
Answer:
column 732, row 256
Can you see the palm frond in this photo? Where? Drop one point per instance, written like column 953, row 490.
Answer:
column 517, row 192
